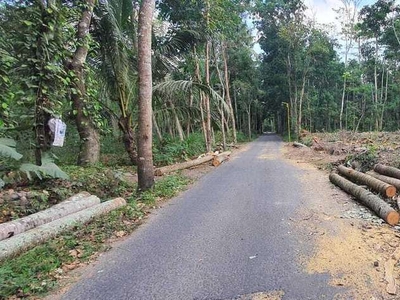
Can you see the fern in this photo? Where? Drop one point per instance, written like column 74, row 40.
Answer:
column 7, row 149
column 47, row 169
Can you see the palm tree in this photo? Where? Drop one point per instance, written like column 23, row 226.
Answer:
column 145, row 134
column 116, row 34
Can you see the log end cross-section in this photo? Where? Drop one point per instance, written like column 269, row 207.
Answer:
column 380, row 207
column 375, row 184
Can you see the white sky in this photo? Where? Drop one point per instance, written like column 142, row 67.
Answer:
column 322, row 11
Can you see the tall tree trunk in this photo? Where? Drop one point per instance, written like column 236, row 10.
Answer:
column 177, row 121
column 249, row 120
column 145, row 136
column 158, row 131
column 201, row 95
column 207, row 98
column 385, row 100
column 89, row 137
column 376, row 86
column 342, row 104
column 228, row 93
column 207, row 82
column 300, row 112
column 128, row 137
column 221, row 109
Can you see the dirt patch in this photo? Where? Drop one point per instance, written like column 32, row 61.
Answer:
column 349, row 242
column 271, row 295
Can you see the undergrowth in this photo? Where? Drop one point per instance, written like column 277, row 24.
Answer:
column 36, row 271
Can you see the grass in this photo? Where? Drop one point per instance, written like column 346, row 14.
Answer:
column 36, row 271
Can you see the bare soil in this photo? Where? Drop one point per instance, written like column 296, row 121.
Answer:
column 355, row 247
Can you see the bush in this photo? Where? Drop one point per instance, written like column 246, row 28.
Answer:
column 172, row 150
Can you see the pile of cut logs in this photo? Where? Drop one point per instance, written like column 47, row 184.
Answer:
column 24, row 233
column 384, row 180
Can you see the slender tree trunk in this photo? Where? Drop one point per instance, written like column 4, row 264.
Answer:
column 249, row 119
column 90, row 140
column 300, row 114
column 189, row 122
column 342, row 104
column 145, row 136
column 385, row 100
column 201, row 95
column 207, row 98
column 221, row 109
column 128, row 138
column 376, row 85
column 158, row 131
column 228, row 94
column 177, row 121
column 207, row 82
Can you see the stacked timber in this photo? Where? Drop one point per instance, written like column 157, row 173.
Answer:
column 27, row 232
column 377, row 185
column 387, row 170
column 380, row 207
column 385, row 185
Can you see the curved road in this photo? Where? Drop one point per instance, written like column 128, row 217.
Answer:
column 226, row 237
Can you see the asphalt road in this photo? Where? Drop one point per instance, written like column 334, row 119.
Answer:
column 227, row 236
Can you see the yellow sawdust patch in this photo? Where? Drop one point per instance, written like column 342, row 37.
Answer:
column 268, row 156
column 349, row 257
column 271, row 295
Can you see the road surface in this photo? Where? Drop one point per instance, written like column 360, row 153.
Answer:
column 226, row 237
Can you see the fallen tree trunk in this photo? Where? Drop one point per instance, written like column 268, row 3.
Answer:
column 299, row 145
column 381, row 187
column 393, row 181
column 220, row 158
column 387, row 170
column 71, row 205
column 24, row 241
column 380, row 207
column 184, row 165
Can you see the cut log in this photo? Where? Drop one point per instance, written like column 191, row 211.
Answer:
column 387, row 170
column 393, row 181
column 184, row 165
column 377, row 185
column 299, row 145
column 26, row 240
column 220, row 158
column 380, row 207
column 71, row 205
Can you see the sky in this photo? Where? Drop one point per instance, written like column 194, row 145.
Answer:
column 322, row 11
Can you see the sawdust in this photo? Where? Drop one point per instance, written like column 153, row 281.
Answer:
column 349, row 260
column 353, row 251
column 268, row 156
column 271, row 295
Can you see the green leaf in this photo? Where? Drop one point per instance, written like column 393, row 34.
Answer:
column 7, row 149
column 47, row 169
column 28, row 23
column 2, row 183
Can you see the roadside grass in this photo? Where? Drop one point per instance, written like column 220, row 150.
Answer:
column 36, row 271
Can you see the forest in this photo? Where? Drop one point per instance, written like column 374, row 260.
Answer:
column 97, row 96
column 79, row 62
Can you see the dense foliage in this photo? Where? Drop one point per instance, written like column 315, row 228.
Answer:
column 208, row 81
